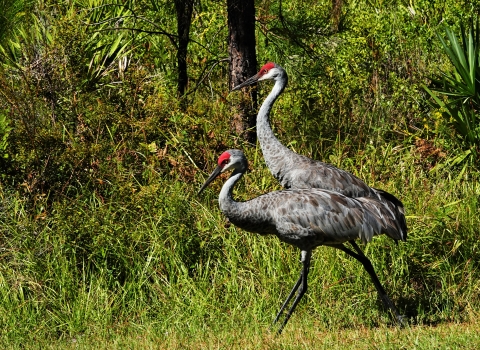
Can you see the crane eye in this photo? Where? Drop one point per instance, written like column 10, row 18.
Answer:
column 264, row 71
column 225, row 161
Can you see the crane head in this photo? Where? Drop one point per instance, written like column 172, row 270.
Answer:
column 231, row 159
column 269, row 71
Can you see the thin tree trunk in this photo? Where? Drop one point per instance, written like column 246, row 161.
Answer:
column 243, row 64
column 336, row 14
column 184, row 10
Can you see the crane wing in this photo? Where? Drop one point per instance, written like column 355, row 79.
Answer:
column 308, row 218
column 304, row 172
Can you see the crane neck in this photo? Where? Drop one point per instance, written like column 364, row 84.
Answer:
column 272, row 149
column 267, row 105
column 225, row 198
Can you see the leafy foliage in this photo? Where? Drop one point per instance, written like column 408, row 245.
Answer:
column 5, row 129
column 462, row 87
column 12, row 13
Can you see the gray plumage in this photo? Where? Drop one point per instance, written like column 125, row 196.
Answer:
column 306, row 218
column 293, row 170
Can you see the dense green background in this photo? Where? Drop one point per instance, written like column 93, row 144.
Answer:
column 101, row 230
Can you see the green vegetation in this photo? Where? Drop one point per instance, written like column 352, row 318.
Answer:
column 103, row 239
column 462, row 87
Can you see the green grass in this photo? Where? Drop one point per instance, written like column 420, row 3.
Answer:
column 164, row 268
column 247, row 336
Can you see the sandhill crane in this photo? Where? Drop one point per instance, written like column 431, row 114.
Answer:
column 297, row 171
column 307, row 218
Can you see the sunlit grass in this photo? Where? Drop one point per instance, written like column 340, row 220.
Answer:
column 247, row 336
column 167, row 269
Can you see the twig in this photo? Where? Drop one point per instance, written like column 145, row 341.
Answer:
column 206, row 75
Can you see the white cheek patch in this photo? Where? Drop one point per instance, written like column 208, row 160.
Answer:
column 228, row 166
column 269, row 76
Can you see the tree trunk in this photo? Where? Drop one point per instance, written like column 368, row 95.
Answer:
column 243, row 64
column 184, row 10
column 336, row 14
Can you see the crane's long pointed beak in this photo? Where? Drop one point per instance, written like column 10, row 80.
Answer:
column 247, row 82
column 216, row 172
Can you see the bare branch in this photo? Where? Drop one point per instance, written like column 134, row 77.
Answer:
column 215, row 63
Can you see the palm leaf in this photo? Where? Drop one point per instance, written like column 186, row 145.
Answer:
column 461, row 87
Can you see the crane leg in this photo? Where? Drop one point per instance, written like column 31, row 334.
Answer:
column 360, row 256
column 290, row 296
column 301, row 285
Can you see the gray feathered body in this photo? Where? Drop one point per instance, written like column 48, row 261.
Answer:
column 307, row 218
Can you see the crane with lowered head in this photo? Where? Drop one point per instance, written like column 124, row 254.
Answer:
column 306, row 219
